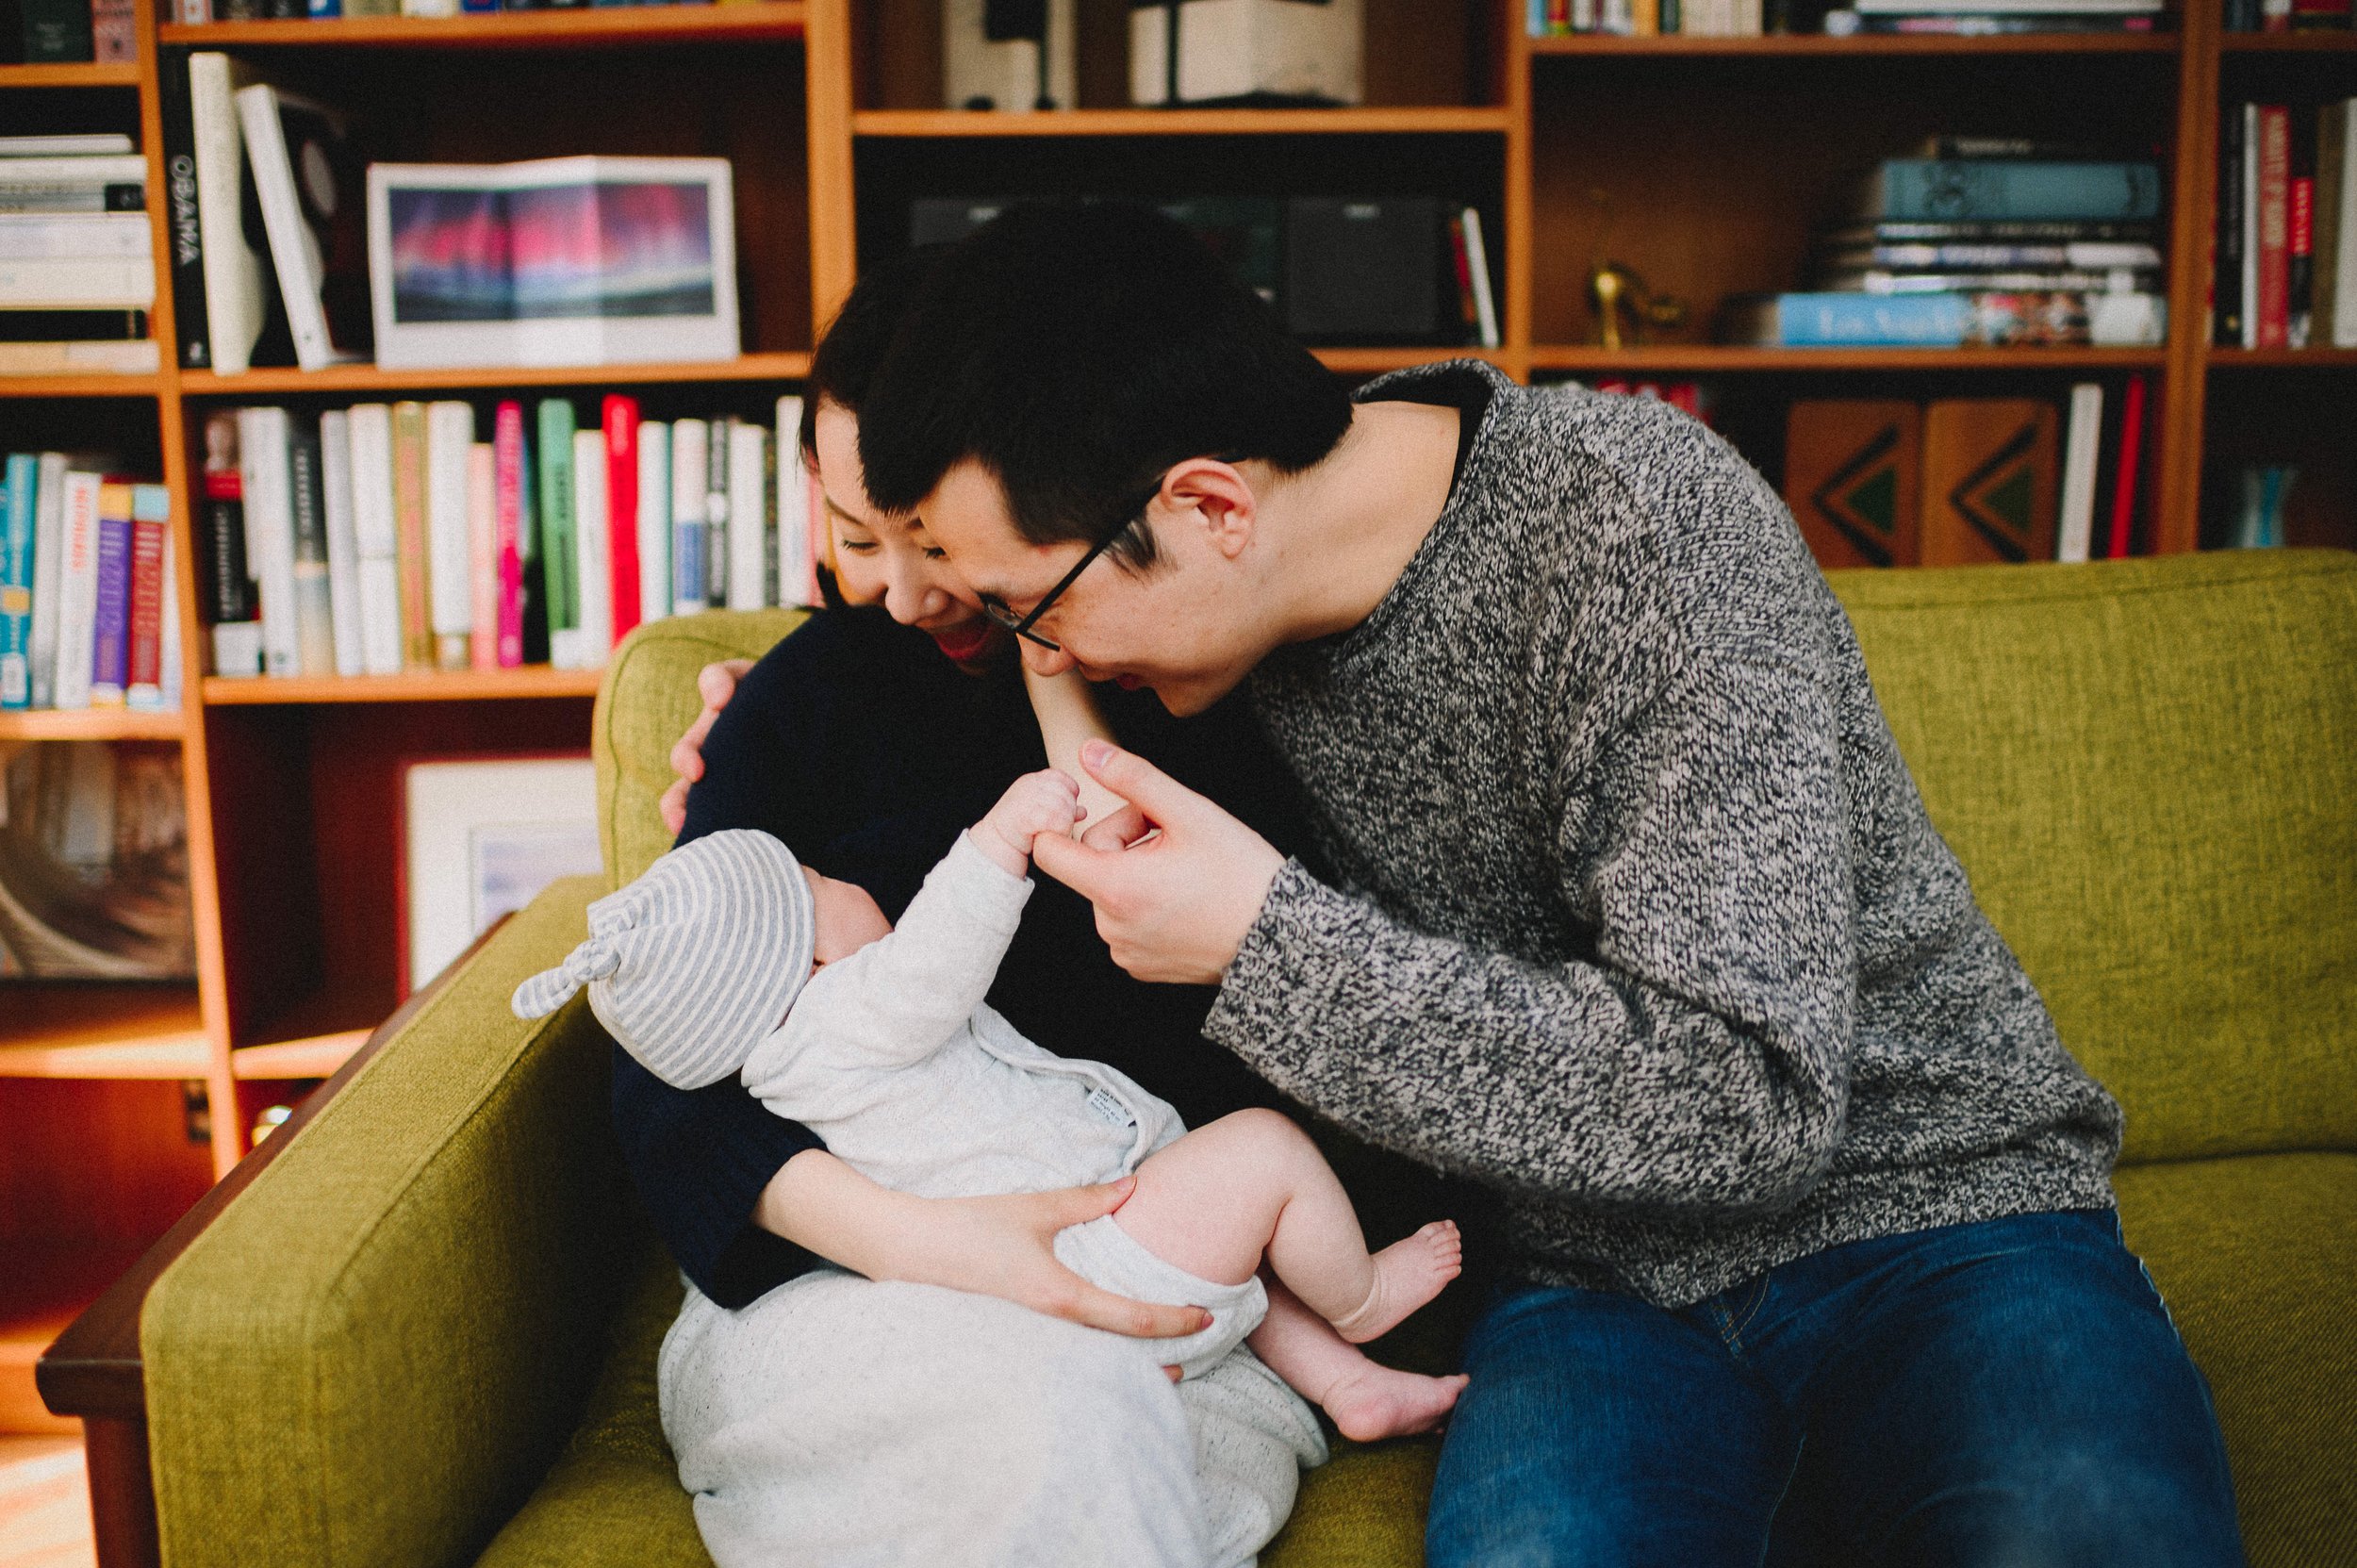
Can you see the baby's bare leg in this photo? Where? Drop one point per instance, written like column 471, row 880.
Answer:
column 1368, row 1401
column 1218, row 1198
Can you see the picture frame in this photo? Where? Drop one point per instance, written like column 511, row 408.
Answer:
column 561, row 261
column 481, row 837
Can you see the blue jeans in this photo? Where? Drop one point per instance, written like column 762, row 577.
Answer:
column 2008, row 1392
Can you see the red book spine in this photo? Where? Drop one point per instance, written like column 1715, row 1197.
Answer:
column 507, row 481
column 621, row 509
column 2130, row 460
column 2275, row 257
column 147, row 600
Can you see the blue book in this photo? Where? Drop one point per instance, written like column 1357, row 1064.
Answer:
column 1947, row 321
column 2008, row 190
column 17, row 494
column 322, row 10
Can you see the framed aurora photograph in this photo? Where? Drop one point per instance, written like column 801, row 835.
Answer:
column 558, row 261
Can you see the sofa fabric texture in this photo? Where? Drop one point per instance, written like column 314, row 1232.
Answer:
column 426, row 1335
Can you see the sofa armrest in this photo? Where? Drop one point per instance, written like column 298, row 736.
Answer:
column 373, row 1350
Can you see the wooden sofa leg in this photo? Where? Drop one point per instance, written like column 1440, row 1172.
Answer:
column 122, row 1493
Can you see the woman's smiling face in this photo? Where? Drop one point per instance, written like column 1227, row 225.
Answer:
column 882, row 558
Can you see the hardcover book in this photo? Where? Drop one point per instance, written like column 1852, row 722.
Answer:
column 1991, row 481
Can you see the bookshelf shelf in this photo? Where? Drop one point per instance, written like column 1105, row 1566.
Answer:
column 588, row 27
column 1185, row 122
column 452, row 687
column 90, row 724
column 114, row 73
column 1711, row 359
column 2289, row 44
column 1376, row 361
column 316, row 1057
column 1875, row 47
column 364, row 379
column 2282, row 360
column 100, row 1030
column 96, row 386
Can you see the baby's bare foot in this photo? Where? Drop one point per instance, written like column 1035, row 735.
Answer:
column 1408, row 1273
column 1383, row 1402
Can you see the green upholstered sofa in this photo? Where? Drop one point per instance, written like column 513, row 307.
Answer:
column 425, row 1334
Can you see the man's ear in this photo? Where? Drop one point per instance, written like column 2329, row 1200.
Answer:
column 1221, row 494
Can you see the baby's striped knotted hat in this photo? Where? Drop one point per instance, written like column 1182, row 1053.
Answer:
column 691, row 965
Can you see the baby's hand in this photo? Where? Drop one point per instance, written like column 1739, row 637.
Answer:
column 1045, row 801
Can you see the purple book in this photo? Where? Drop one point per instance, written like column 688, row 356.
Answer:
column 110, row 654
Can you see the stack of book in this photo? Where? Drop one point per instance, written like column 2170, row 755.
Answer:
column 321, row 10
column 2285, row 275
column 2287, row 16
column 384, row 539
column 69, row 32
column 1978, row 242
column 85, row 587
column 1991, row 18
column 1660, row 18
column 77, row 272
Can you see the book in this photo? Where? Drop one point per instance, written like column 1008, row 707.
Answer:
column 2247, row 218
column 450, row 441
column 2095, row 255
column 413, row 536
column 2335, row 308
column 1946, row 320
column 2129, row 471
column 182, row 228
column 1908, row 280
column 592, row 537
column 312, row 580
column 1954, row 189
column 343, row 542
column 1853, row 477
column 2226, row 266
column 655, row 519
column 690, row 441
column 719, row 445
column 377, row 539
column 619, row 415
column 110, row 618
column 48, row 572
column 264, row 472
column 114, row 32
column 316, row 246
column 2083, row 442
column 231, row 602
column 93, row 283
column 235, row 276
column 77, row 359
column 1477, row 265
column 2263, row 491
column 750, row 537
column 2301, row 226
column 69, row 144
column 57, row 31
column 2270, row 327
column 483, row 556
column 151, row 517
column 75, row 237
column 797, row 545
column 96, row 326
column 19, row 500
column 510, row 469
column 1991, row 481
column 78, row 589
column 560, row 557
column 169, row 677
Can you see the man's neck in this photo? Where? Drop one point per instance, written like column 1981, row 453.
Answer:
column 1353, row 522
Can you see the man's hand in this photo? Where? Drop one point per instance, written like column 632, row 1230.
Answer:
column 716, row 683
column 1176, row 882
column 1047, row 801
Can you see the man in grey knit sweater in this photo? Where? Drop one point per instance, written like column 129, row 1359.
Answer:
column 1629, row 913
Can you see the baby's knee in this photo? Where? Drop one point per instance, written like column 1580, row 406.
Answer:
column 1269, row 1136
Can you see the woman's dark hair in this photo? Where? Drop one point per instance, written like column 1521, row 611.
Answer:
column 1077, row 350
column 852, row 348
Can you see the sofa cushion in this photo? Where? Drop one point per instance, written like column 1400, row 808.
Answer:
column 2257, row 1259
column 2148, row 768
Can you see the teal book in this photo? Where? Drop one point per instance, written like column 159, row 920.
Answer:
column 560, row 565
column 1950, row 190
column 21, row 484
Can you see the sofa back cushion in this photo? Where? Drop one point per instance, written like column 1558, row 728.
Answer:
column 2149, row 768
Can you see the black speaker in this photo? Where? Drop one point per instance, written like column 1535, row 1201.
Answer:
column 1363, row 271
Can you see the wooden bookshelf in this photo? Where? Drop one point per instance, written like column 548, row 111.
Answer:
column 365, row 381
column 111, row 74
column 98, row 384
column 436, row 687
column 92, row 724
column 1184, row 122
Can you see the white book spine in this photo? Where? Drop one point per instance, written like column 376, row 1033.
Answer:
column 592, row 549
column 2076, row 537
column 1478, row 270
column 270, row 532
column 77, row 591
column 689, row 440
column 168, row 666
column 2250, row 226
column 233, row 276
column 2344, row 263
column 91, row 283
column 483, row 555
column 48, row 573
column 294, row 252
column 343, row 545
column 376, row 538
column 76, row 237
column 449, row 439
column 655, row 519
column 716, row 516
column 795, row 546
column 749, row 518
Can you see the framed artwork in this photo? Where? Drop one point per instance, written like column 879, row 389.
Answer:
column 557, row 261
column 481, row 837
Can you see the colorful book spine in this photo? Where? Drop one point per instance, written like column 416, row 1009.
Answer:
column 2123, row 519
column 450, row 439
column 2301, row 236
column 716, row 514
column 78, row 593
column 655, row 519
column 483, row 556
column 19, row 495
column 1950, row 190
column 169, row 677
column 508, row 468
column 690, row 447
column 2274, row 227
column 111, row 620
column 592, row 535
column 314, row 587
column 376, row 538
column 48, row 573
column 560, row 555
column 151, row 519
column 619, row 417
column 233, row 603
column 343, row 542
column 412, row 531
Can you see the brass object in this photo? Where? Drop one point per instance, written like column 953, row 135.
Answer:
column 1619, row 297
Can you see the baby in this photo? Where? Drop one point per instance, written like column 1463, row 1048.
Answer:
column 728, row 957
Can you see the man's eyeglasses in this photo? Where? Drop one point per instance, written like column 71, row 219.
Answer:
column 1004, row 615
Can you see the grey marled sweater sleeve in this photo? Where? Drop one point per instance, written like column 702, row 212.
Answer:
column 1634, row 915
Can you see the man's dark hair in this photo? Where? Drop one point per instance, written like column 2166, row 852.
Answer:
column 852, row 347
column 1077, row 350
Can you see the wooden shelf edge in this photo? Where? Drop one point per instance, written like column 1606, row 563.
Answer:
column 791, row 365
column 1733, row 359
column 186, row 1055
column 454, row 686
column 318, row 1057
column 1184, row 122
column 98, row 384
column 2279, row 359
column 2287, row 43
column 92, row 724
column 84, row 74
column 617, row 25
column 1352, row 361
column 1869, row 46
